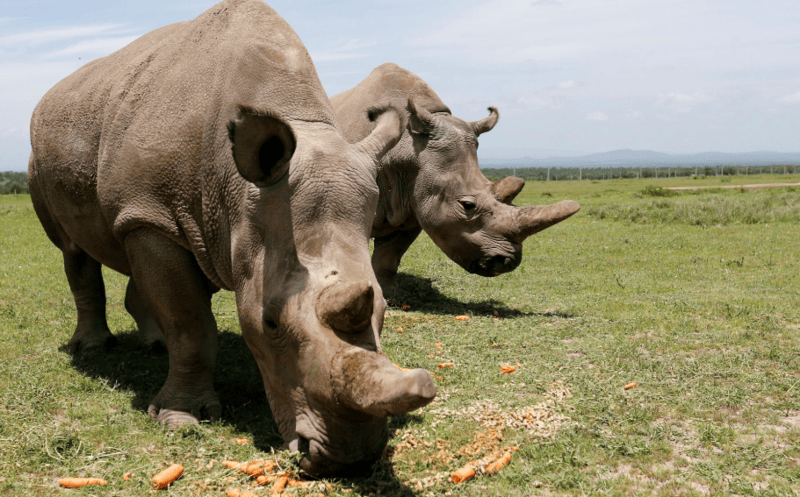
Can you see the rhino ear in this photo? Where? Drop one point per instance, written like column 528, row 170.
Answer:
column 390, row 124
column 487, row 123
column 420, row 121
column 262, row 144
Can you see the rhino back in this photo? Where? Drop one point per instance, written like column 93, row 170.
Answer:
column 387, row 83
column 152, row 147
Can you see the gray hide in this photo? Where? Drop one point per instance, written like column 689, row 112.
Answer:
column 205, row 155
column 431, row 181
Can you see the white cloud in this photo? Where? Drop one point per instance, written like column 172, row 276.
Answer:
column 596, row 116
column 50, row 35
column 94, row 47
column 684, row 98
column 633, row 114
column 792, row 99
column 345, row 51
column 570, row 83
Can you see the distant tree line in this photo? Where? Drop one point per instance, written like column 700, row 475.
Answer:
column 13, row 182
column 600, row 173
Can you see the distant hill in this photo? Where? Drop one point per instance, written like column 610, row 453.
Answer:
column 647, row 158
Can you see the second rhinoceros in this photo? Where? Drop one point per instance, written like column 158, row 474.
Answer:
column 205, row 155
column 431, row 181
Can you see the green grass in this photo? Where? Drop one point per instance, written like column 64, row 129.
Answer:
column 702, row 315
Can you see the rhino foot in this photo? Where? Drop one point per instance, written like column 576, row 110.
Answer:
column 91, row 342
column 177, row 417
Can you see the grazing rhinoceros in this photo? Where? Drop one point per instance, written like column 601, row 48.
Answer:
column 431, row 181
column 205, row 155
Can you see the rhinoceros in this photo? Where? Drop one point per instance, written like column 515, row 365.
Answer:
column 205, row 155
column 431, row 181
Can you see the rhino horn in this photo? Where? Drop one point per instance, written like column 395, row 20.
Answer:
column 535, row 218
column 347, row 306
column 487, row 123
column 390, row 124
column 507, row 189
column 370, row 383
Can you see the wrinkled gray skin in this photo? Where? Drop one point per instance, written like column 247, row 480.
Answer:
column 431, row 181
column 205, row 155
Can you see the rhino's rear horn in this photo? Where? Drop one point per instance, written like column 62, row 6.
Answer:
column 535, row 218
column 507, row 189
column 347, row 306
column 487, row 123
column 262, row 144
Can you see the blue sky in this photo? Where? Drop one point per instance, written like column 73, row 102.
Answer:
column 569, row 76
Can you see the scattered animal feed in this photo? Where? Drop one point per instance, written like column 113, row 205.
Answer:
column 166, row 477
column 80, row 482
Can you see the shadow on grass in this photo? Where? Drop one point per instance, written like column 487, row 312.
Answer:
column 130, row 366
column 421, row 295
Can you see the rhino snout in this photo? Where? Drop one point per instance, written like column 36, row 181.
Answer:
column 495, row 265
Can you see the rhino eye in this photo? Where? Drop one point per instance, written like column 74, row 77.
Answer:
column 468, row 205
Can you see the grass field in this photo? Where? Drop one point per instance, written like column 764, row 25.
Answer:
column 695, row 297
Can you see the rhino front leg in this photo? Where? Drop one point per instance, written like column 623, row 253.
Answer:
column 149, row 332
column 86, row 282
column 386, row 255
column 178, row 296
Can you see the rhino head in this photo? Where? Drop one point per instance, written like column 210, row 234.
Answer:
column 314, row 314
column 470, row 218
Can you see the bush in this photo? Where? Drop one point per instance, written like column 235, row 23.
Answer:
column 13, row 182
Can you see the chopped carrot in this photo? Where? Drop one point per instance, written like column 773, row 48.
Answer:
column 166, row 477
column 518, row 364
column 400, row 368
column 127, row 476
column 80, row 482
column 280, row 484
column 399, row 329
column 494, row 344
column 265, row 479
column 233, row 492
column 242, row 441
column 507, row 369
column 462, row 474
column 446, row 365
column 496, row 320
column 462, row 318
column 440, row 352
column 438, row 345
column 496, row 466
column 406, row 307
column 630, row 385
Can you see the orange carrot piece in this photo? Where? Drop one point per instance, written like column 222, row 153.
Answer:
column 446, row 365
column 406, row 307
column 80, row 482
column 265, row 479
column 399, row 329
column 630, row 385
column 507, row 369
column 233, row 492
column 462, row 318
column 499, row 464
column 166, row 477
column 440, row 377
column 127, row 476
column 242, row 441
column 463, row 474
column 232, row 464
column 438, row 345
column 280, row 484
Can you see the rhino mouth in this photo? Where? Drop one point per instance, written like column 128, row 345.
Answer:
column 494, row 265
column 317, row 461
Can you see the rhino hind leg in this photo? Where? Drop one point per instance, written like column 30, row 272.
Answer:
column 178, row 297
column 86, row 282
column 149, row 332
column 386, row 255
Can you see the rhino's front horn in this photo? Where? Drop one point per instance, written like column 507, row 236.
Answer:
column 370, row 383
column 347, row 306
column 535, row 218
